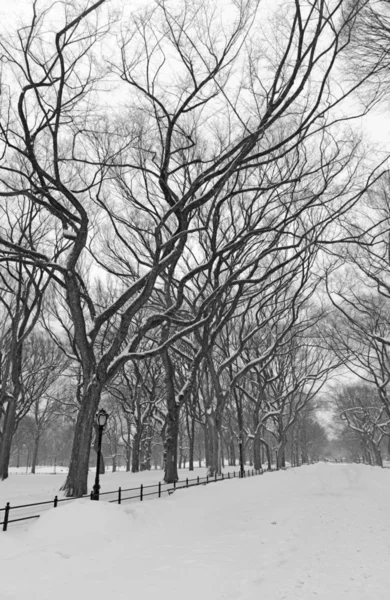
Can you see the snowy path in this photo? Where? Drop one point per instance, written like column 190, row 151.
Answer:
column 316, row 532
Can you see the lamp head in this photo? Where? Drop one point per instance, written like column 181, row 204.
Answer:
column 101, row 417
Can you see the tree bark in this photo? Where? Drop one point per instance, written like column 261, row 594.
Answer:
column 35, row 455
column 76, row 483
column 135, row 460
column 281, row 454
column 10, row 415
column 171, row 421
column 191, row 439
column 257, row 450
column 232, row 452
column 128, row 452
column 171, row 442
column 214, row 441
column 206, row 445
column 6, row 441
column 268, row 453
column 377, row 454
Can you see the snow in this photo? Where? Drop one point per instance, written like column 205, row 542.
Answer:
column 319, row 531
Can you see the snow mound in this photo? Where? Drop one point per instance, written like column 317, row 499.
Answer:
column 80, row 525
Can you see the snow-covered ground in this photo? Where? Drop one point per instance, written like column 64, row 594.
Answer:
column 316, row 532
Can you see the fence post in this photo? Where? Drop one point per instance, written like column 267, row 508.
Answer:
column 174, row 485
column 159, row 489
column 187, row 482
column 234, row 474
column 141, row 492
column 215, row 477
column 198, row 480
column 207, row 478
column 252, row 472
column 6, row 516
column 119, row 495
column 91, row 495
column 222, row 477
column 55, row 501
column 228, row 474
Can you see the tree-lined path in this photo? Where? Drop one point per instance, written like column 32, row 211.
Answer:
column 320, row 531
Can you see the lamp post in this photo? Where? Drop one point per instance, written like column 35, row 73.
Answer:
column 242, row 471
column 101, row 420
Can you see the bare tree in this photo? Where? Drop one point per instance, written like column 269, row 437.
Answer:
column 363, row 412
column 22, row 286
column 125, row 187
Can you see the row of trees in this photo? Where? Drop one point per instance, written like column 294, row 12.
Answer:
column 171, row 183
column 125, row 447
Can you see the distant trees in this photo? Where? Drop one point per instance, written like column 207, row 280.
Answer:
column 22, row 288
column 364, row 414
column 41, row 366
column 359, row 330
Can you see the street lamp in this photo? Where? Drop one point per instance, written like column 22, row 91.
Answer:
column 101, row 420
column 242, row 471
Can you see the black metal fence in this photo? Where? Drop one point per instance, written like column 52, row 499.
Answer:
column 24, row 512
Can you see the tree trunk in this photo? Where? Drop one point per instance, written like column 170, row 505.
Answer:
column 281, row 454
column 214, row 466
column 249, row 452
column 171, row 421
column 10, row 415
column 128, row 452
column 35, row 455
column 221, row 451
column 377, row 454
column 240, row 421
column 367, row 455
column 76, row 483
column 180, row 448
column 206, row 445
column 191, row 437
column 268, row 453
column 171, row 442
column 256, row 450
column 136, row 452
column 6, row 440
column 304, row 456
column 232, row 452
column 148, row 448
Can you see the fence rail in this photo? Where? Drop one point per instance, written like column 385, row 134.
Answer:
column 22, row 512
